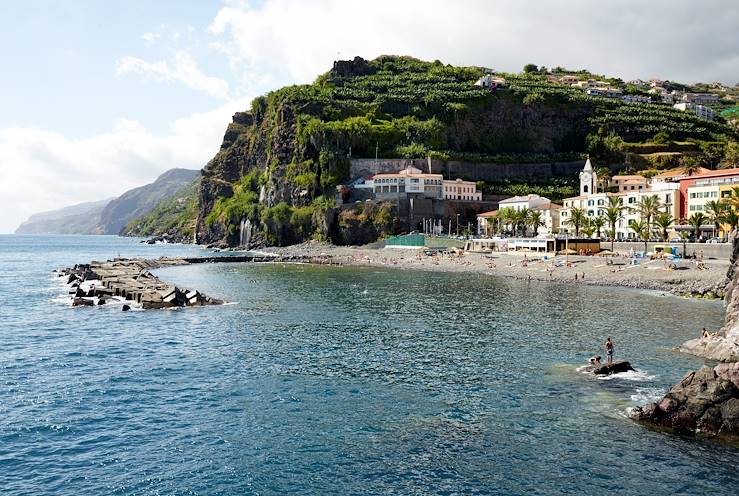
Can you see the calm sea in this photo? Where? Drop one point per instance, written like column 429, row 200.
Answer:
column 326, row 380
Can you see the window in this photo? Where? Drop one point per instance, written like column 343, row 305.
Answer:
column 600, row 202
column 585, row 188
column 668, row 198
column 590, row 213
column 632, row 200
column 590, row 203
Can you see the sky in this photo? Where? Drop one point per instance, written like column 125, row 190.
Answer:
column 100, row 97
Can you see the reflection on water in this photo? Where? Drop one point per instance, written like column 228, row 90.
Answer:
column 336, row 380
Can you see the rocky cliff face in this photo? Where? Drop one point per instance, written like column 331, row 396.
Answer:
column 706, row 401
column 723, row 347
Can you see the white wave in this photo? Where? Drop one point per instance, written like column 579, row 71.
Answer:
column 631, row 375
column 647, row 395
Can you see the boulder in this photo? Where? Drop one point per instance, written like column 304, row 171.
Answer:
column 701, row 402
column 82, row 302
column 125, row 308
column 612, row 368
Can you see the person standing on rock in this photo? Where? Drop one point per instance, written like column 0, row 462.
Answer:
column 609, row 350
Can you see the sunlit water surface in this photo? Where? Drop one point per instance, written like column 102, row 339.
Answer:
column 328, row 380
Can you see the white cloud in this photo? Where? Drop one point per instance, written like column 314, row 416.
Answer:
column 183, row 69
column 43, row 170
column 298, row 40
column 149, row 37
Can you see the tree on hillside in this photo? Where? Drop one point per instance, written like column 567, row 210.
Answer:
column 664, row 221
column 696, row 221
column 604, row 177
column 528, row 68
column 690, row 165
column 614, row 213
column 731, row 155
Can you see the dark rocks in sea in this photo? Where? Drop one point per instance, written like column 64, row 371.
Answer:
column 705, row 402
column 131, row 280
column 612, row 368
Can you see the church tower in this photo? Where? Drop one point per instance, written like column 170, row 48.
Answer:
column 588, row 180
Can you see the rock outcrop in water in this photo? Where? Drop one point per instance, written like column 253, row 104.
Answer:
column 706, row 401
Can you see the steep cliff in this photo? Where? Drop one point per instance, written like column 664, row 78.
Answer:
column 173, row 218
column 280, row 162
column 139, row 201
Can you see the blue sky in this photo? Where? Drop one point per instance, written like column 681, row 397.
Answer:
column 98, row 97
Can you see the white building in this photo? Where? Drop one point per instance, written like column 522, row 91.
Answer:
column 588, row 179
column 410, row 180
column 631, row 192
column 461, row 190
column 549, row 210
column 413, row 181
column 700, row 110
column 490, row 81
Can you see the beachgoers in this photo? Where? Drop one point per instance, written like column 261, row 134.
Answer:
column 609, row 350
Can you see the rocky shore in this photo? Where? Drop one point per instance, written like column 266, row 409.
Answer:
column 708, row 282
column 706, row 401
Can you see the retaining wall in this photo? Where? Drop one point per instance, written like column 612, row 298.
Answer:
column 720, row 251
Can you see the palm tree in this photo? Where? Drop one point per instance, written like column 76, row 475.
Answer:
column 690, row 166
column 648, row 208
column 536, row 221
column 715, row 210
column 588, row 230
column 598, row 224
column 664, row 221
column 576, row 219
column 696, row 221
column 731, row 217
column 505, row 217
column 641, row 230
column 614, row 213
column 522, row 220
column 733, row 200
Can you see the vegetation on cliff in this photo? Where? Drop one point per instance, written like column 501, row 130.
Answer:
column 175, row 216
column 281, row 161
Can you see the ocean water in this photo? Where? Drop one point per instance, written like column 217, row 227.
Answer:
column 331, row 380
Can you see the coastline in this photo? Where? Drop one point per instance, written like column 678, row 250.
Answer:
column 589, row 270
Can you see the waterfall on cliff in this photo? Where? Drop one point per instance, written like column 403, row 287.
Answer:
column 245, row 232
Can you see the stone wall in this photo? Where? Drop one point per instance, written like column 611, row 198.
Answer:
column 468, row 170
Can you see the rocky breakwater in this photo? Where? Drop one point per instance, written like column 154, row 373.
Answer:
column 130, row 282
